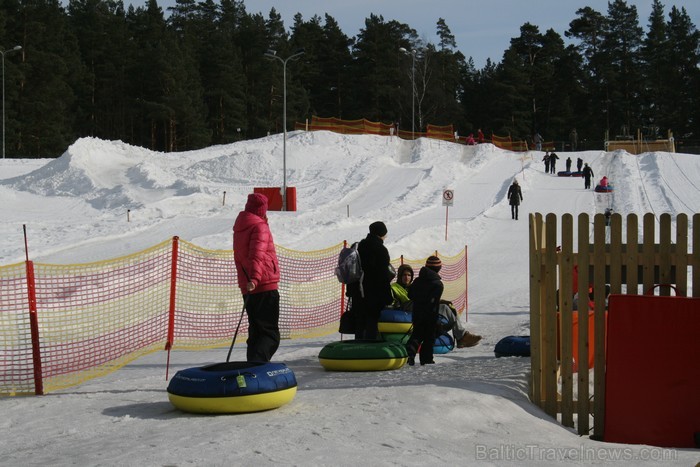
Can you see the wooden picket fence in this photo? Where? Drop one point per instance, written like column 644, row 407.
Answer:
column 631, row 262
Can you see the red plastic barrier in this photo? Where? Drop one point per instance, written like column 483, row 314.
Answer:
column 274, row 197
column 652, row 379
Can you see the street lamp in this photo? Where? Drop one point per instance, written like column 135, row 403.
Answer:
column 412, row 53
column 3, row 52
column 272, row 54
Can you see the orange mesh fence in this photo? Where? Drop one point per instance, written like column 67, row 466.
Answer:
column 61, row 325
column 505, row 142
column 445, row 132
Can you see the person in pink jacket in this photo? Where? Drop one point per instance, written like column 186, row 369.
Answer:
column 258, row 277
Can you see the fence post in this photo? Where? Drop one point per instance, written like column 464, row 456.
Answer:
column 342, row 287
column 34, row 327
column 173, row 297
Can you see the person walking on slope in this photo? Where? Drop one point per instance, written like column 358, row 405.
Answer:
column 425, row 293
column 258, row 274
column 553, row 162
column 515, row 196
column 587, row 174
column 546, row 162
column 376, row 282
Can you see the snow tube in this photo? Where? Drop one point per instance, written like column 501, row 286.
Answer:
column 513, row 346
column 578, row 173
column 603, row 189
column 443, row 343
column 232, row 387
column 564, row 173
column 363, row 355
column 394, row 321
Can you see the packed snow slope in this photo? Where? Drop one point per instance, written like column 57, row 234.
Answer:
column 103, row 199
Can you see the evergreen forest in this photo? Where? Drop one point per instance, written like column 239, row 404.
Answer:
column 206, row 72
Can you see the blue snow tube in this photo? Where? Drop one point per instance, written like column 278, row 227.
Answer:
column 564, row 173
column 232, row 387
column 443, row 343
column 603, row 189
column 393, row 321
column 513, row 346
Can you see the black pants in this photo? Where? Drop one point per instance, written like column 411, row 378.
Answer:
column 263, row 311
column 587, row 182
column 514, row 211
column 367, row 310
column 423, row 336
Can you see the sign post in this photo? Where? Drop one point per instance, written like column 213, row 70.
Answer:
column 447, row 201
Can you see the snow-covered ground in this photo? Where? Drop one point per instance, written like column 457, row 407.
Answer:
column 104, row 199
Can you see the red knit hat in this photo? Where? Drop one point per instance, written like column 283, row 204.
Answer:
column 257, row 204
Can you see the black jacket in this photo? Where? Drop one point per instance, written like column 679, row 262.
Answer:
column 515, row 194
column 375, row 265
column 425, row 293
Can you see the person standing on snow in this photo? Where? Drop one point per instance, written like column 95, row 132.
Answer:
column 568, row 164
column 515, row 196
column 545, row 159
column 587, row 174
column 553, row 162
column 425, row 293
column 376, row 282
column 579, row 164
column 258, row 277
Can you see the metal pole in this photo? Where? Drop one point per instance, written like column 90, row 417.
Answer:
column 272, row 54
column 284, row 137
column 413, row 95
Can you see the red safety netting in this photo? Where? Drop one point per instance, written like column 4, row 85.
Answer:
column 61, row 325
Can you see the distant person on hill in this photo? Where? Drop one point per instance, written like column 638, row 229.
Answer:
column 515, row 196
column 568, row 164
column 479, row 136
column 470, row 139
column 573, row 137
column 553, row 162
column 537, row 139
column 258, row 277
column 587, row 174
column 425, row 293
column 579, row 164
column 376, row 282
column 545, row 159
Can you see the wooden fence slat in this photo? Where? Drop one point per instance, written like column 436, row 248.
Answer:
column 632, row 257
column 680, row 256
column 599, row 260
column 536, row 269
column 583, row 281
column 549, row 324
column 566, row 294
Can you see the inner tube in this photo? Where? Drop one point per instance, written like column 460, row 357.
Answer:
column 394, row 321
column 578, row 173
column 232, row 387
column 444, row 343
column 363, row 355
column 603, row 189
column 564, row 173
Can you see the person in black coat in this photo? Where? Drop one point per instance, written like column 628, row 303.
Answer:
column 579, row 164
column 568, row 164
column 587, row 174
column 376, row 282
column 425, row 293
column 515, row 196
column 553, row 158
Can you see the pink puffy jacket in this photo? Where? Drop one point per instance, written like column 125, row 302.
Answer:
column 254, row 248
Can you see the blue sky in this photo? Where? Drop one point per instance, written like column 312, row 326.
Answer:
column 482, row 29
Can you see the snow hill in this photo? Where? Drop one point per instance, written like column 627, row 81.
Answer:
column 105, row 199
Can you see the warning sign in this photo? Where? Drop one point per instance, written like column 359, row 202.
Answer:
column 448, row 197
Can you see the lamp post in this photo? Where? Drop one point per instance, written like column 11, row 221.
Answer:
column 3, row 52
column 272, row 54
column 412, row 53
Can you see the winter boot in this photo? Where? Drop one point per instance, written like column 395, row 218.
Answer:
column 468, row 340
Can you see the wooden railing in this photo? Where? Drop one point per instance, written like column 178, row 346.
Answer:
column 631, row 262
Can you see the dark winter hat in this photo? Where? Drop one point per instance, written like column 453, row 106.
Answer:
column 257, row 204
column 378, row 228
column 433, row 263
column 402, row 269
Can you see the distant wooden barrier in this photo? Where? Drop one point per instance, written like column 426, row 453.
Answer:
column 619, row 256
column 640, row 145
